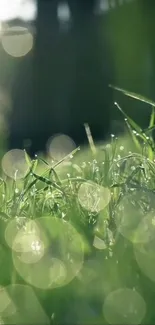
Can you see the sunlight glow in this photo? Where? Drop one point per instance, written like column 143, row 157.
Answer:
column 145, row 257
column 99, row 243
column 134, row 216
column 124, row 306
column 102, row 6
column 21, row 9
column 17, row 41
column 63, row 12
column 60, row 146
column 62, row 258
column 58, row 272
column 93, row 197
column 13, row 227
column 25, row 240
column 14, row 164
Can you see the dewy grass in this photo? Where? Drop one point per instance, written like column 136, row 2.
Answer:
column 55, row 193
column 88, row 188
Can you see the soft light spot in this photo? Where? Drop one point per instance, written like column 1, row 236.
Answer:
column 58, row 272
column 63, row 12
column 145, row 257
column 17, row 41
column 99, row 243
column 124, row 306
column 31, row 256
column 12, row 229
column 62, row 259
column 93, row 197
column 60, row 146
column 23, row 236
column 102, row 6
column 14, row 164
column 24, row 241
column 22, row 9
column 28, row 243
column 132, row 219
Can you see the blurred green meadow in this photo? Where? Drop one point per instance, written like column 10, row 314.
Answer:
column 77, row 230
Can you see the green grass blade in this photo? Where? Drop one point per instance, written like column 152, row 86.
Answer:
column 48, row 182
column 134, row 95
column 150, row 129
column 90, row 138
column 152, row 122
column 44, row 161
column 67, row 157
column 27, row 158
column 134, row 137
column 152, row 118
column 34, row 165
column 52, row 170
column 140, row 132
column 151, row 126
column 133, row 124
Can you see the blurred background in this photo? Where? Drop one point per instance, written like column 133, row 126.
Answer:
column 57, row 59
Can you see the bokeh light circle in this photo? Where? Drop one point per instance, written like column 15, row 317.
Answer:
column 12, row 229
column 134, row 214
column 14, row 164
column 93, row 197
column 124, row 306
column 58, row 272
column 25, row 239
column 17, row 41
column 62, row 258
column 145, row 258
column 59, row 146
column 99, row 243
column 32, row 256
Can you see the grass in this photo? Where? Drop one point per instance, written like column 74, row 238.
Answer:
column 104, row 196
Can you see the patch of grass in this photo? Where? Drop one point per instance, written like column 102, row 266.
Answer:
column 105, row 174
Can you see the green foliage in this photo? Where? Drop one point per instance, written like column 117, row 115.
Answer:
column 118, row 184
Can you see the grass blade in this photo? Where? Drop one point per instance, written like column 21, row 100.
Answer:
column 90, row 138
column 66, row 157
column 134, row 95
column 150, row 129
column 140, row 132
column 152, row 122
column 151, row 126
column 27, row 158
column 133, row 124
column 152, row 118
column 134, row 137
